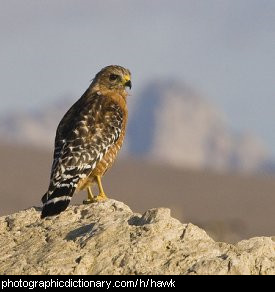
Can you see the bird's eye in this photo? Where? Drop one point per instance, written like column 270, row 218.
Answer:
column 113, row 77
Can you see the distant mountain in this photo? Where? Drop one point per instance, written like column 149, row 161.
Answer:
column 35, row 127
column 169, row 123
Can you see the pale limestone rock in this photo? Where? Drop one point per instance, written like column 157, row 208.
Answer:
column 108, row 238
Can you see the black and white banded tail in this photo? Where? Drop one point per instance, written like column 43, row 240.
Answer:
column 61, row 190
column 62, row 187
column 57, row 201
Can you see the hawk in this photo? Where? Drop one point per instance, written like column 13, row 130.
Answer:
column 88, row 139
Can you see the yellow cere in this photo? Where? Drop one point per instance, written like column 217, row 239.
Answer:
column 127, row 78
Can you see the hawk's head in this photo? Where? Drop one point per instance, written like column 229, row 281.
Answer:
column 113, row 77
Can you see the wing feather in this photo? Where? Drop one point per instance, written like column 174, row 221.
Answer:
column 90, row 127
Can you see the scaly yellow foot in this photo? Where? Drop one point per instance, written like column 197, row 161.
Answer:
column 101, row 197
column 91, row 199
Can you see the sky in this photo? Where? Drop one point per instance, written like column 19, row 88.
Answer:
column 224, row 49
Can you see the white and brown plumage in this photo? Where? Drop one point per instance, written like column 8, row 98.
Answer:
column 88, row 139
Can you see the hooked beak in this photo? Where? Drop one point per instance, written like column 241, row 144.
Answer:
column 128, row 84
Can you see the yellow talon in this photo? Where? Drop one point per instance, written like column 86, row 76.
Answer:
column 91, row 199
column 102, row 196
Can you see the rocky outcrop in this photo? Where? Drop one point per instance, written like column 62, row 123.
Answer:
column 108, row 238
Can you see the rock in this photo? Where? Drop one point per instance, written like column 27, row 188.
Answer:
column 108, row 238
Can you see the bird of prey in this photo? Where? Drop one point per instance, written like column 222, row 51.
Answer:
column 88, row 139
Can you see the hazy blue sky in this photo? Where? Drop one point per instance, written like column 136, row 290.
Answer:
column 223, row 48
